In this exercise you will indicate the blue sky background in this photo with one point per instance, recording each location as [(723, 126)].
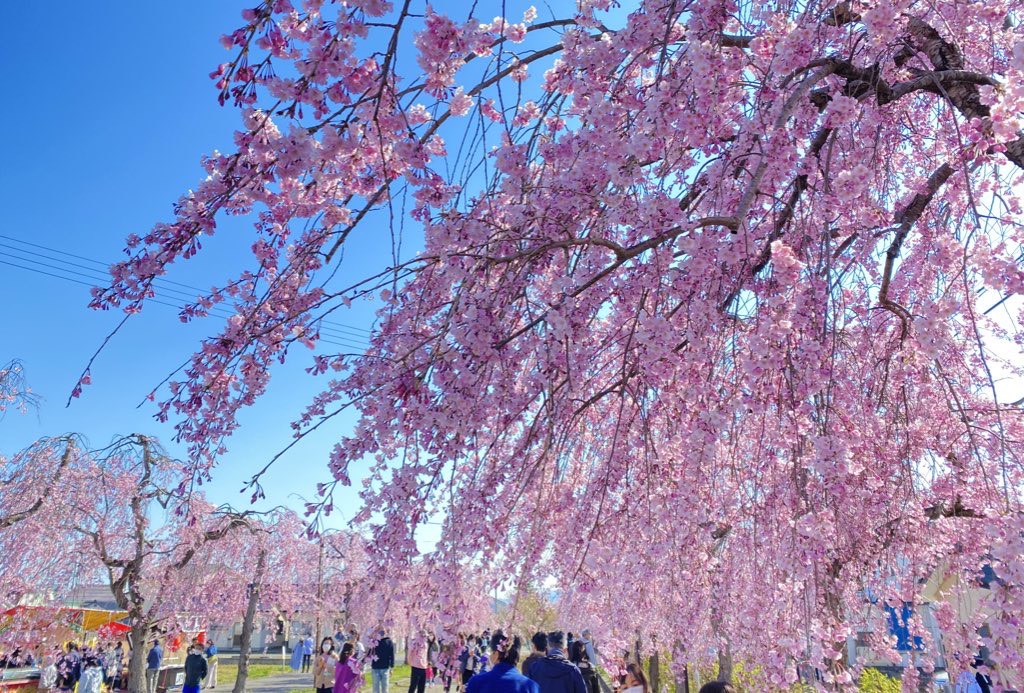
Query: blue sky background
[(109, 110)]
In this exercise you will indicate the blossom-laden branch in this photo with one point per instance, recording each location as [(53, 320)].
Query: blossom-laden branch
[(699, 267)]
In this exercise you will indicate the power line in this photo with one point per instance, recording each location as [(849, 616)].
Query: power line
[(354, 329), (99, 277), (34, 266)]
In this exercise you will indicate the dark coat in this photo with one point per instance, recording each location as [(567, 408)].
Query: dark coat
[(589, 676), (195, 669), (384, 654), (556, 674), (530, 659), (155, 657), (503, 678)]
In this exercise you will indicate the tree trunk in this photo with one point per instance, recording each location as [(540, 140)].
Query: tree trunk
[(655, 675), (137, 661), (682, 673), (725, 663), (245, 646)]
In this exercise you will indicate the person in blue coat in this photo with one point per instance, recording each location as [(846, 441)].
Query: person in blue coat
[(555, 673), (503, 677)]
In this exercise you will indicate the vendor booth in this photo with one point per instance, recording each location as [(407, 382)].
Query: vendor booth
[(41, 629)]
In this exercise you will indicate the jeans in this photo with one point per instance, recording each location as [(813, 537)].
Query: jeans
[(418, 681), (151, 675), (379, 678)]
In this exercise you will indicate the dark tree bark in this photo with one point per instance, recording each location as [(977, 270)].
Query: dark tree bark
[(245, 646)]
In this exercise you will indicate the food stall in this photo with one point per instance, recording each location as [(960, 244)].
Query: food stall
[(45, 628)]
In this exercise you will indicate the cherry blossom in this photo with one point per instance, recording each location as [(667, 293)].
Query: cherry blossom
[(699, 318)]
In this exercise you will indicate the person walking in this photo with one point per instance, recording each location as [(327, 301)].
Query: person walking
[(383, 662), (211, 664), (433, 650), (195, 669), (326, 664), (154, 658), (346, 674), (418, 663), (555, 673), (540, 649), (503, 677), (578, 656)]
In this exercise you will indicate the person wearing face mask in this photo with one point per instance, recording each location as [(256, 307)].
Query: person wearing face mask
[(326, 663), (195, 669)]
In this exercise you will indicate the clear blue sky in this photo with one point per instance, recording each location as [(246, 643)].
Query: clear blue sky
[(108, 111)]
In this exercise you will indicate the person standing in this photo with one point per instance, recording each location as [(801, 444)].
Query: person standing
[(307, 653), (195, 669), (467, 661), (346, 674), (211, 664), (555, 673), (69, 668), (578, 656), (92, 675), (418, 663), (326, 665), (358, 648), (115, 666), (154, 658), (588, 643), (383, 662), (540, 649), (503, 677), (48, 677)]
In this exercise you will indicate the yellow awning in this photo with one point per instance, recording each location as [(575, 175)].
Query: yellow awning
[(92, 619)]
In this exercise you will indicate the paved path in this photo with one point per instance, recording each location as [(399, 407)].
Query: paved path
[(280, 683), (285, 683)]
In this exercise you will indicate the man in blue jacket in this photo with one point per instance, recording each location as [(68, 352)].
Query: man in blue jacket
[(503, 677), (555, 673), (154, 659)]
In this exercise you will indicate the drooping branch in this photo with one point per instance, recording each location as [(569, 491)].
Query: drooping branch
[(906, 220)]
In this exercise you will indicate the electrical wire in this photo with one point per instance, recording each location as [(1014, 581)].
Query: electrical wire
[(61, 271), (353, 330)]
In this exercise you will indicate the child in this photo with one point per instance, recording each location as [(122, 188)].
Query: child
[(195, 669)]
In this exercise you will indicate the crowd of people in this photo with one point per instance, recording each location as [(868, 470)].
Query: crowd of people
[(487, 663), (81, 668), (103, 667)]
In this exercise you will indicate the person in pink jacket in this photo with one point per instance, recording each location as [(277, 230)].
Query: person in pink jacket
[(347, 678)]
